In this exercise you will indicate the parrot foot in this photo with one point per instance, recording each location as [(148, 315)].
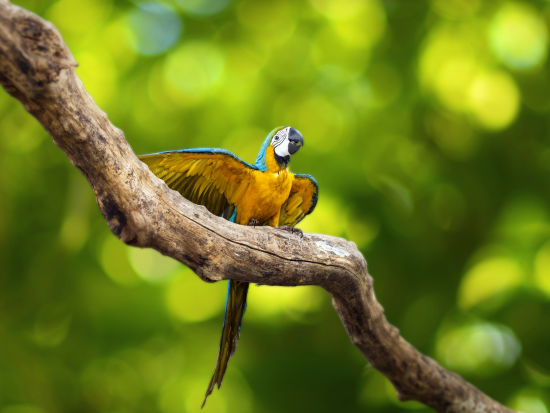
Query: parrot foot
[(253, 222), (292, 230)]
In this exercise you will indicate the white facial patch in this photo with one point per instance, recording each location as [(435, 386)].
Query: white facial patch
[(280, 142), (282, 149)]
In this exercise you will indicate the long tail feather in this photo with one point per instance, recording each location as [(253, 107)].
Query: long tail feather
[(234, 310)]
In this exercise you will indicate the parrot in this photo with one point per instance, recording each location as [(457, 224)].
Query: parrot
[(263, 193)]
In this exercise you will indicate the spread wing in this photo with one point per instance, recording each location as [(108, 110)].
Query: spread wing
[(301, 201), (215, 178)]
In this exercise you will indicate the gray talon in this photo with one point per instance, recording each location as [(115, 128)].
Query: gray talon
[(253, 222), (292, 230)]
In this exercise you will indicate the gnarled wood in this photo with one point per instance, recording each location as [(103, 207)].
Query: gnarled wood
[(37, 68)]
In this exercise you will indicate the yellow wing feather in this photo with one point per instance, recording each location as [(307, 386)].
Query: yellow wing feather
[(301, 201), (217, 180)]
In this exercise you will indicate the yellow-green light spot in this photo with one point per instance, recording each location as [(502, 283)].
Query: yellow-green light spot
[(374, 391), (364, 28), (151, 265), (518, 36), (74, 230), (122, 52), (158, 96), (338, 10), (114, 261), (193, 70), (77, 18), (542, 269), (270, 302), (528, 401), (98, 74), (451, 50), (494, 99), (487, 279), (192, 300), (478, 348), (454, 66), (25, 137), (453, 80), (328, 218)]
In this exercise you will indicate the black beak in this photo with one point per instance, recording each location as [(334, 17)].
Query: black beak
[(295, 141)]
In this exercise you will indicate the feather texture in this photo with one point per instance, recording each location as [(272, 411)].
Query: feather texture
[(301, 200), (214, 178), (234, 311)]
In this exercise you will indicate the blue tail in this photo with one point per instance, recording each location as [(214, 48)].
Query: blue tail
[(234, 311)]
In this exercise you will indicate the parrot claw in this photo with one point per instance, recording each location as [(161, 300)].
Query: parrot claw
[(253, 222), (292, 230)]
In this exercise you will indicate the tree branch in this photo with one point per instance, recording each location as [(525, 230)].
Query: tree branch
[(37, 68)]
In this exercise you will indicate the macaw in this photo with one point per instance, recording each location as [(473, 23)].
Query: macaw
[(265, 193)]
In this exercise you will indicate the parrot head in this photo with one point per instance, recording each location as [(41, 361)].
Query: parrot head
[(286, 141)]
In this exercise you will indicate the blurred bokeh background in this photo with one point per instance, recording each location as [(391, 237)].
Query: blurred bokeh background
[(426, 126)]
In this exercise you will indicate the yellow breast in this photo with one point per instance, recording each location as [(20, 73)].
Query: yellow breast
[(264, 198)]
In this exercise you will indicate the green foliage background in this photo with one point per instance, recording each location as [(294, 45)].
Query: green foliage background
[(426, 126)]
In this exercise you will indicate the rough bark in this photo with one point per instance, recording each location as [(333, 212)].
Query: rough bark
[(37, 68)]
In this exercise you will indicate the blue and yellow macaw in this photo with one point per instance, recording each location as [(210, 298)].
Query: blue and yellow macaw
[(265, 193)]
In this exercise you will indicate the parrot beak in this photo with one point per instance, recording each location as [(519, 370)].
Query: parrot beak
[(295, 141)]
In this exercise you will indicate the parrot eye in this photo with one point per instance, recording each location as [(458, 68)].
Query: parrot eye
[(276, 138)]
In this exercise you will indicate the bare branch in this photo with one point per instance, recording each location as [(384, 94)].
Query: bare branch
[(37, 68)]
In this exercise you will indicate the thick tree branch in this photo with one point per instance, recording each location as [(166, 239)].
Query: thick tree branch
[(37, 68)]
